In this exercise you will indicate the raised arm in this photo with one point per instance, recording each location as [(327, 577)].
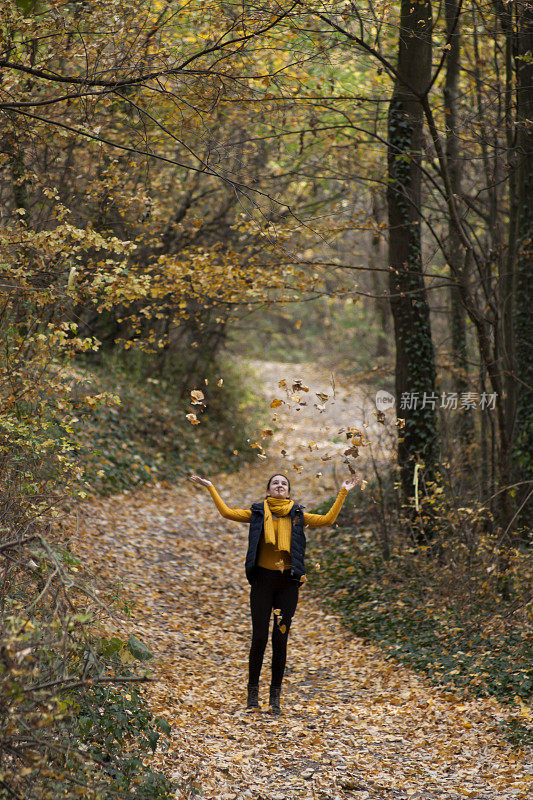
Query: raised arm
[(235, 514), (321, 520)]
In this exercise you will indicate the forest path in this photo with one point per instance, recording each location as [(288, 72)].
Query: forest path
[(355, 725)]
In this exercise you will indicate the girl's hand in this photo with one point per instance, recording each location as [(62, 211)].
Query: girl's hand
[(350, 483), (200, 481)]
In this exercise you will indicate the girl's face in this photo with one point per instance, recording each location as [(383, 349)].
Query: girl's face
[(278, 487)]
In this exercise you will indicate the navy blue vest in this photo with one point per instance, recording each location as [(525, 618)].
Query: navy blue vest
[(297, 541)]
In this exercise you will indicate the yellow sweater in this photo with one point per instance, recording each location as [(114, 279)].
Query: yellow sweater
[(269, 556)]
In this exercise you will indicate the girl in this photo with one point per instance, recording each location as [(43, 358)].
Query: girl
[(275, 568)]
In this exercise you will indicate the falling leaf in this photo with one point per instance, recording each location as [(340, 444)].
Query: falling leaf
[(267, 432), (282, 384), (220, 381), (355, 434), (193, 419), (299, 386), (277, 612), (197, 397), (326, 457), (322, 396), (276, 403), (298, 324), (283, 628)]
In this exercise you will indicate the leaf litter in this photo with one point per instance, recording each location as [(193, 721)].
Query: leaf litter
[(354, 724)]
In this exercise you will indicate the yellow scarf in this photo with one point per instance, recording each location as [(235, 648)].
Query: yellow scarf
[(280, 507)]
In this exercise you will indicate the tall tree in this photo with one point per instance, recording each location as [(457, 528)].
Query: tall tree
[(415, 360), (376, 257), (454, 245), (524, 255)]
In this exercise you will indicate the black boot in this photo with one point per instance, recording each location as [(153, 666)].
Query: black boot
[(275, 694), (253, 697)]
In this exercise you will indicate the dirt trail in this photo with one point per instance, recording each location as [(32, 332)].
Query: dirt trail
[(354, 724)]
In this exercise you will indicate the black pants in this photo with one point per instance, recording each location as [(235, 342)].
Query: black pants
[(271, 590)]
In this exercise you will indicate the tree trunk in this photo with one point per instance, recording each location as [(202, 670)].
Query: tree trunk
[(415, 361), (376, 261), (523, 439), (455, 250)]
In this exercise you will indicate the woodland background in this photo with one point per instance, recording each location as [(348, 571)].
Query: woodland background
[(189, 186)]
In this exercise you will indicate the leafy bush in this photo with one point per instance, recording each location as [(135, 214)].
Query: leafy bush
[(116, 731), (59, 692), (144, 435), (73, 720)]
